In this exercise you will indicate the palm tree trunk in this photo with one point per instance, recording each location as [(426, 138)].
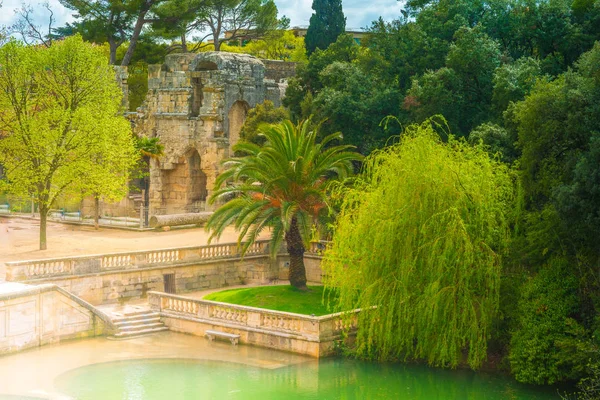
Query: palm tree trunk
[(295, 247)]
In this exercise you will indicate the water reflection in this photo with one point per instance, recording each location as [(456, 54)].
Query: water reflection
[(327, 379)]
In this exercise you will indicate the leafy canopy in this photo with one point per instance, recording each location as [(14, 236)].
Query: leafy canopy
[(326, 24), (285, 179), (61, 126), (420, 237)]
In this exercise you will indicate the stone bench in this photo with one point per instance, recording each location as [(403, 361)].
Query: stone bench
[(233, 338)]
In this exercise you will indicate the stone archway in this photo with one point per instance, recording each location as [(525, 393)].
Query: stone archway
[(236, 117)]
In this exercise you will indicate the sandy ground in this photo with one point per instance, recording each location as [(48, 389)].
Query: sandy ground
[(33, 372), (19, 239)]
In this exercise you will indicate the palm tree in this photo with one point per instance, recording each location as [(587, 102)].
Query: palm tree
[(149, 148), (281, 186)]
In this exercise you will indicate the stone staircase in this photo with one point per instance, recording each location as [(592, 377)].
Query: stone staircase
[(137, 323)]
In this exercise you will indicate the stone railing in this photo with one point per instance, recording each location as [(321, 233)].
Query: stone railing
[(317, 248), (81, 265), (306, 327)]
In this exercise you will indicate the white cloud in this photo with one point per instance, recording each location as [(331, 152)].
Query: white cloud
[(62, 15)]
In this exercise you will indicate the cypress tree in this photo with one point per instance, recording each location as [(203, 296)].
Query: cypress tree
[(326, 24)]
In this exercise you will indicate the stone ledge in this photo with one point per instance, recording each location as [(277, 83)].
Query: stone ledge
[(216, 322), (190, 263)]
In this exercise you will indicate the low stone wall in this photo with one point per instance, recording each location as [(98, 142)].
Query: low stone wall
[(37, 315), (120, 277), (303, 334), (279, 70), (312, 264)]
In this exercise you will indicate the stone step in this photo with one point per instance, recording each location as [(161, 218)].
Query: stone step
[(144, 315), (136, 321), (137, 328), (127, 335), (138, 312)]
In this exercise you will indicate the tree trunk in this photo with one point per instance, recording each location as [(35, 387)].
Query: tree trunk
[(217, 43), (96, 212), (184, 48), (137, 29), (295, 247), (113, 46), (43, 220)]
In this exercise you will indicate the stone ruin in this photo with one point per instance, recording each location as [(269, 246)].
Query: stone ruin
[(196, 105)]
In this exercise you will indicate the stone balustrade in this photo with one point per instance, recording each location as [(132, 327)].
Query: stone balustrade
[(121, 277), (80, 265), (299, 333), (59, 267)]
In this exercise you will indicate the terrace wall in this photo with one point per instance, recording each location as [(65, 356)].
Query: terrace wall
[(38, 315), (120, 277), (303, 334)]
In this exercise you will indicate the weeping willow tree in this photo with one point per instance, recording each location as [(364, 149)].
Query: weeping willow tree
[(419, 237)]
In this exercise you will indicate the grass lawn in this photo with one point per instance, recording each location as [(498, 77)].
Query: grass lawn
[(280, 298)]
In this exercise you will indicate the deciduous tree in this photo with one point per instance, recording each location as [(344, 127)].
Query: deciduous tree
[(417, 247), (60, 114), (239, 18)]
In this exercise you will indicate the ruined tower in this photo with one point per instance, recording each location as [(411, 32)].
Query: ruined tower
[(196, 105)]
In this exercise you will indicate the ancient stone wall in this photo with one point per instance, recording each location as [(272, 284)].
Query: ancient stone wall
[(122, 75), (279, 70), (196, 105)]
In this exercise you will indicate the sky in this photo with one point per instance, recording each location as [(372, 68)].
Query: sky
[(359, 13)]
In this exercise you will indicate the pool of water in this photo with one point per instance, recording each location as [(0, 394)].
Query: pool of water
[(175, 379)]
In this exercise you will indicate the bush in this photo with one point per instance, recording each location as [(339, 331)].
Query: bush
[(549, 345)]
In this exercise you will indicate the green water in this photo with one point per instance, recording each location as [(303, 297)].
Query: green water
[(328, 379)]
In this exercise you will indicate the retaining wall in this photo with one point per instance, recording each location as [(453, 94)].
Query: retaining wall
[(36, 315), (303, 334), (120, 277)]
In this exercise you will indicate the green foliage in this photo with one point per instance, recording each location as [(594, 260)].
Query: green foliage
[(512, 82), (399, 51), (436, 92), (555, 124), (346, 102), (326, 24), (308, 80), (335, 89), (496, 139), (241, 18), (547, 345), (578, 201), (462, 91), (61, 123), (281, 186), (264, 113), (420, 237), (278, 45), (280, 298), (137, 82), (343, 49)]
